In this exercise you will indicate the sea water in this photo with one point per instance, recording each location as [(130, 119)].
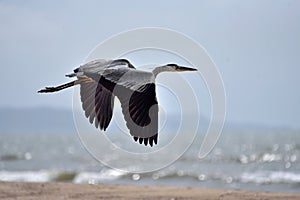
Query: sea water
[(252, 160)]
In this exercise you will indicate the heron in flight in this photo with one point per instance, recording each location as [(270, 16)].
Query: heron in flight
[(102, 80)]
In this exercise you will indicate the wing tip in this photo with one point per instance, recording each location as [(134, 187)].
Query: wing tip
[(151, 140)]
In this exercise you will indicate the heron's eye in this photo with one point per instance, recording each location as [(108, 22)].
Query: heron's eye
[(173, 66)]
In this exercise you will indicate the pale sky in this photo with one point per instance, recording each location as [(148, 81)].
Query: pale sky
[(255, 44)]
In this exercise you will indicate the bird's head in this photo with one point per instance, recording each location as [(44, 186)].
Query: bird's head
[(177, 68), (172, 68)]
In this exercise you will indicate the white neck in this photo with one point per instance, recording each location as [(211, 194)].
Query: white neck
[(160, 69)]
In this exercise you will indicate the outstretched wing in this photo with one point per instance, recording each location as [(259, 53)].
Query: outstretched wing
[(97, 103), (97, 100), (135, 90), (140, 110)]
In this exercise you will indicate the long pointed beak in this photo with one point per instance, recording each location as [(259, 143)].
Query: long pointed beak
[(182, 69)]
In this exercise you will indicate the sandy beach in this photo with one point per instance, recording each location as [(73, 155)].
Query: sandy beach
[(39, 191)]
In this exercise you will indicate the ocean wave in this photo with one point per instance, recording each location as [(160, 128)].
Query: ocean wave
[(98, 177), (111, 175), (267, 157), (26, 176), (37, 176), (62, 176), (269, 177)]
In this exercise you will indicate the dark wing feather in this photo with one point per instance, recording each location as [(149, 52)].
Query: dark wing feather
[(135, 90), (98, 103), (140, 110)]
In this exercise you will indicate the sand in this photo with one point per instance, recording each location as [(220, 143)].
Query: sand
[(40, 191)]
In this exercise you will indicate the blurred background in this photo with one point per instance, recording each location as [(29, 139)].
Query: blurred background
[(255, 45)]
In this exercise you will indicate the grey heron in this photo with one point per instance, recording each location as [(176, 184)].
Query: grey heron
[(102, 80)]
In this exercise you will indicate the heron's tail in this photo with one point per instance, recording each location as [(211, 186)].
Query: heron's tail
[(58, 88)]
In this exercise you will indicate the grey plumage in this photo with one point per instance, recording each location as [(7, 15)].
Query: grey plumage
[(102, 80)]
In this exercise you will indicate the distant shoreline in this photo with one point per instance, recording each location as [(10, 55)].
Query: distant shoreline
[(35, 191)]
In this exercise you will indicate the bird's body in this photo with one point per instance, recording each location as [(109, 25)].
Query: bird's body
[(102, 80)]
